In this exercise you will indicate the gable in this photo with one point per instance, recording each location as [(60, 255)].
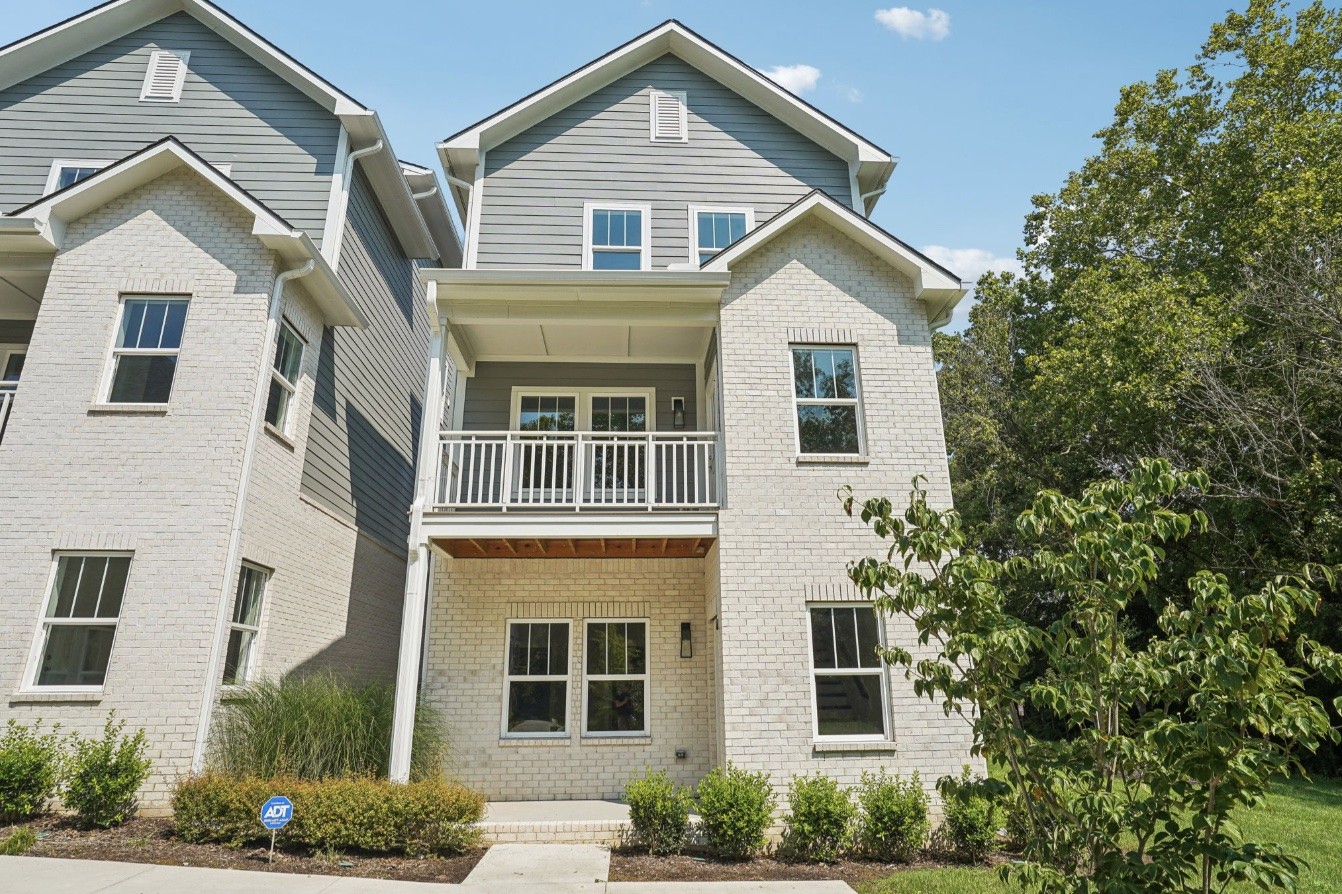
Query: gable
[(280, 144)]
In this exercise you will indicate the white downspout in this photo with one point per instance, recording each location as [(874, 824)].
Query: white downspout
[(417, 582), (337, 226), (214, 672)]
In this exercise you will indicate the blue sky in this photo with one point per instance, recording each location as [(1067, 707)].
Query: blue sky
[(986, 104)]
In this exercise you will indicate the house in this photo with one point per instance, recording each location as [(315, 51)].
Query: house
[(212, 336), (676, 334)]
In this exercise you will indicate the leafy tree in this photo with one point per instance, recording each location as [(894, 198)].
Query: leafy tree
[(1160, 741), (1182, 298)]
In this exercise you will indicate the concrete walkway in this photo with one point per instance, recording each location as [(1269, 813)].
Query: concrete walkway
[(47, 875)]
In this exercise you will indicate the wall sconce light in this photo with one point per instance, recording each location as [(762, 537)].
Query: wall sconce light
[(686, 644), (678, 412)]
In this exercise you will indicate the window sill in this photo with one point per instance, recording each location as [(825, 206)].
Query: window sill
[(533, 741), (828, 746), (280, 436), (56, 698), (103, 409), (644, 739), (852, 459)]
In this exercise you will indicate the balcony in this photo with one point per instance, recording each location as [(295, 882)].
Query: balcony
[(525, 494), (578, 471)]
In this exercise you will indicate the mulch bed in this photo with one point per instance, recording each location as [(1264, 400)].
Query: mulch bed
[(150, 840), (638, 866)]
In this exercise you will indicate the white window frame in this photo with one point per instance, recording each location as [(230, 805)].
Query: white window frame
[(185, 57), (286, 420), (684, 100), (59, 165), (582, 402), (7, 351), (644, 251), (696, 210), (645, 677), (798, 402), (566, 678), (114, 352), (254, 645), (881, 671), (39, 644)]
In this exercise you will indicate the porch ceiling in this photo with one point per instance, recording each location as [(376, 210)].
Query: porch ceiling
[(560, 341), (23, 280), (575, 547)]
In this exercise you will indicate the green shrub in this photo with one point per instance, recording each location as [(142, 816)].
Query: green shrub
[(893, 825), (30, 770), (319, 726), (736, 808), (659, 811), (17, 842), (971, 816), (103, 775), (820, 821), (430, 816)]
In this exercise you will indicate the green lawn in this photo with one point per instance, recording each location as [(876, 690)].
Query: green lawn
[(1304, 817)]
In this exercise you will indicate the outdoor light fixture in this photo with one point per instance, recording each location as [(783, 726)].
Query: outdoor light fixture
[(686, 646), (678, 412)]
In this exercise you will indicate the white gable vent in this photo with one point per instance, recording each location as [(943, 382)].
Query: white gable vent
[(167, 72), (669, 120)]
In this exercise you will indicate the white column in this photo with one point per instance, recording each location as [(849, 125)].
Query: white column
[(420, 561)]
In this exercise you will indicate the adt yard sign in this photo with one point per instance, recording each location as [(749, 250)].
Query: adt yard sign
[(276, 813)]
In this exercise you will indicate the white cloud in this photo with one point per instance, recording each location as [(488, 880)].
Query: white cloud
[(797, 78), (914, 23), (969, 264), (852, 94)]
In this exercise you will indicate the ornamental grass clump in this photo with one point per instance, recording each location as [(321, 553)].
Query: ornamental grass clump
[(892, 825), (659, 811), (820, 819), (736, 808), (319, 726)]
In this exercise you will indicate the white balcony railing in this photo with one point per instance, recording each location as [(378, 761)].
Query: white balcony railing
[(577, 470), (7, 391)]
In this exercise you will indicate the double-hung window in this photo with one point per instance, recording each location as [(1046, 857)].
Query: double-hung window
[(536, 679), (284, 376), (712, 229), (617, 237), (825, 386), (80, 620), (245, 627), (615, 672), (144, 355), (848, 676)]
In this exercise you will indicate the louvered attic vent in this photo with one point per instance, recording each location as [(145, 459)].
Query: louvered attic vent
[(167, 73), (670, 123)]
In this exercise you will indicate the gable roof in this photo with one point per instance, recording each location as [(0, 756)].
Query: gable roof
[(933, 284), (460, 151), (47, 218), (32, 55)]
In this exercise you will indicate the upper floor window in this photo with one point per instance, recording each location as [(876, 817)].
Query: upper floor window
[(668, 116), (166, 74), (712, 229), (284, 376), (617, 237), (825, 389), (144, 355), (67, 172), (79, 623)]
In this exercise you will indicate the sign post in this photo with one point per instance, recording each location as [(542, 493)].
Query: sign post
[(275, 815)]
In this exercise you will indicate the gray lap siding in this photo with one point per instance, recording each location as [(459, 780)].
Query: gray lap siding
[(598, 150), (281, 145)]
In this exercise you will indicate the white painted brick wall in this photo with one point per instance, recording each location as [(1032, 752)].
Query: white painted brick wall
[(784, 539), (471, 603)]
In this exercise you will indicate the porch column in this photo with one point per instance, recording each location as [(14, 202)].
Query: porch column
[(420, 560)]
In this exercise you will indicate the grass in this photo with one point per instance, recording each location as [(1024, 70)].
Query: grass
[(316, 727), (1305, 817)]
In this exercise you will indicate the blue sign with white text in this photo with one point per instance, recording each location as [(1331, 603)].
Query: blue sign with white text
[(276, 813)]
